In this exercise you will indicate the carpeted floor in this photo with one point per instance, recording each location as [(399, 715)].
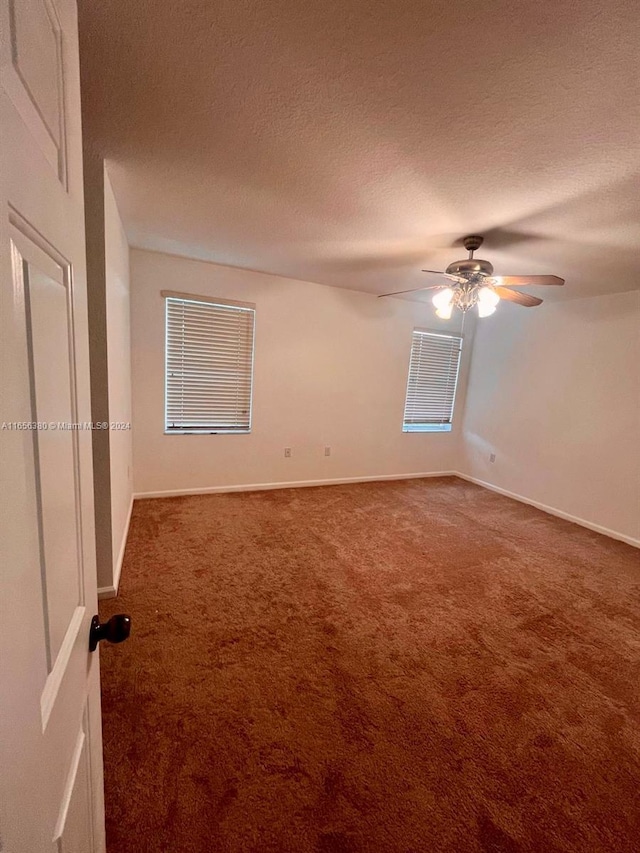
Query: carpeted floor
[(403, 667)]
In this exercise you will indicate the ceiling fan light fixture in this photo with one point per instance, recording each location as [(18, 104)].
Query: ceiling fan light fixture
[(475, 285)]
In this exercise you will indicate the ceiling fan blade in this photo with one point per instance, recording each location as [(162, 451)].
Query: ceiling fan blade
[(413, 290), (519, 298), (429, 286), (524, 280), (444, 275)]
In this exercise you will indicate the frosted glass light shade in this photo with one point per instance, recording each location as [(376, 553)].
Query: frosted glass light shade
[(445, 311), (487, 301), (485, 310), (488, 295), (442, 298)]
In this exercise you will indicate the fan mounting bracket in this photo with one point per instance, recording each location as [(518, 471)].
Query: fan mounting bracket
[(472, 242)]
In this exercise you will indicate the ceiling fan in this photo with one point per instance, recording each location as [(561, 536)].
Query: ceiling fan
[(475, 284)]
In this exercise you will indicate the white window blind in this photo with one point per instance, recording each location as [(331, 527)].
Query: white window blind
[(433, 376), (209, 366)]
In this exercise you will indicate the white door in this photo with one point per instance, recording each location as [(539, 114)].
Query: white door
[(51, 796)]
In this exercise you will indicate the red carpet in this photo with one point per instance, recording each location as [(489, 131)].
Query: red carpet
[(404, 667)]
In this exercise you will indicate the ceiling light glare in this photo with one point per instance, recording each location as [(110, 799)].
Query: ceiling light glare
[(485, 310), (445, 311), (442, 298), (487, 301)]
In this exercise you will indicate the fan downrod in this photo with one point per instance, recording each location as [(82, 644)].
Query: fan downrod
[(472, 243)]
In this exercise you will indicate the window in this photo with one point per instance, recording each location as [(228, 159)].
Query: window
[(209, 365), (431, 388)]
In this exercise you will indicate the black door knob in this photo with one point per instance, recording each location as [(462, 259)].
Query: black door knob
[(115, 630)]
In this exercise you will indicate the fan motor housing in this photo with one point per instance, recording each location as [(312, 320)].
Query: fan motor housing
[(470, 266)]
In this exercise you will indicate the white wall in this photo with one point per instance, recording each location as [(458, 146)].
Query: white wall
[(119, 373), (555, 394), (330, 369)]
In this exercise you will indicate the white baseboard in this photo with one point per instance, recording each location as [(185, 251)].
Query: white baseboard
[(598, 528), (257, 487), (295, 484), (106, 592), (112, 591)]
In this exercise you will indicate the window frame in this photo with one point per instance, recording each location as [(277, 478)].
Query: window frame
[(209, 300), (444, 427)]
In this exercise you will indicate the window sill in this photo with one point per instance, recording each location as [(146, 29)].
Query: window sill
[(427, 428), (207, 431)]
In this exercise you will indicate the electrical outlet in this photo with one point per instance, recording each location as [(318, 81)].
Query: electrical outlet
[(287, 452), (492, 458), (327, 451)]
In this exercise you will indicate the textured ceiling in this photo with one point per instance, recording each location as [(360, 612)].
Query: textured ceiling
[(350, 142)]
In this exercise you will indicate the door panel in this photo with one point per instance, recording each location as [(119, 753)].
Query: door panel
[(50, 354), (33, 73), (74, 824), (51, 797)]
